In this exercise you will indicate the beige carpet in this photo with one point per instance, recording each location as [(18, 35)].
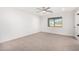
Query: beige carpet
[(41, 42)]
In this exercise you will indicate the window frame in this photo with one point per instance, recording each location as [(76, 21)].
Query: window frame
[(54, 18)]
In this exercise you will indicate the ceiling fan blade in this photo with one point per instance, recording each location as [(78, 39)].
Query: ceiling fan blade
[(47, 7), (50, 11)]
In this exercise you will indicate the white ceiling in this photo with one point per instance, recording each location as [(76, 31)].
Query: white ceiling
[(34, 10)]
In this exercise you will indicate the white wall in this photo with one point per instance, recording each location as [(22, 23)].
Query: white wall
[(16, 23), (68, 24)]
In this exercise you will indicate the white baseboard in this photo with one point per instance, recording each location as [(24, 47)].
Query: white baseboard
[(61, 34)]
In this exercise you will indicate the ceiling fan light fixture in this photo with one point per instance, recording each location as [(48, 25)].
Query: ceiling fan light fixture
[(44, 11)]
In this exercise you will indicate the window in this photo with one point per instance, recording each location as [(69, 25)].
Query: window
[(55, 22)]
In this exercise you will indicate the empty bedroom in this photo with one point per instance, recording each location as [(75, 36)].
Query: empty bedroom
[(39, 29)]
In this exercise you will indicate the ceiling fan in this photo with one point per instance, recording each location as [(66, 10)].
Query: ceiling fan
[(45, 10)]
